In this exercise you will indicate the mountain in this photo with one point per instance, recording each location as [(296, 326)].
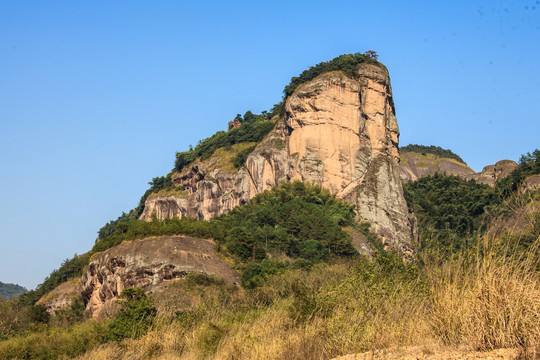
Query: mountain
[(417, 161), (251, 247), (338, 130), (8, 291)]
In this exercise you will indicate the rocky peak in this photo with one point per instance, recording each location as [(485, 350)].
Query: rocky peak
[(339, 132), (492, 173)]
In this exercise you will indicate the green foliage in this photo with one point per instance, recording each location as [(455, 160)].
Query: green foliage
[(296, 219), (138, 229), (254, 128), (529, 164), (135, 316), (449, 209), (202, 279), (256, 273), (39, 314), (8, 291), (70, 315), (435, 150), (346, 63), (52, 343), (242, 156)]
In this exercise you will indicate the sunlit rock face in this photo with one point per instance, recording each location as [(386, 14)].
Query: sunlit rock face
[(338, 132), (492, 173), (148, 264)]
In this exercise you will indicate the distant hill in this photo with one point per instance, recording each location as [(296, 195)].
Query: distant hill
[(435, 150), (8, 291), (417, 161)]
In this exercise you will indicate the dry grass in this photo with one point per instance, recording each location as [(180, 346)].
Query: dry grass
[(490, 302), (483, 301)]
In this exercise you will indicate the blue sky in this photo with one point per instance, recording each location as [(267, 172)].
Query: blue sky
[(97, 96)]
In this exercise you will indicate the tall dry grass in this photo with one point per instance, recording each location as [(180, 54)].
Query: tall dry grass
[(486, 300), (489, 301)]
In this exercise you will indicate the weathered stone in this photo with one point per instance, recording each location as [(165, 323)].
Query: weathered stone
[(414, 165), (493, 173), (148, 263), (61, 296), (235, 124), (338, 132)]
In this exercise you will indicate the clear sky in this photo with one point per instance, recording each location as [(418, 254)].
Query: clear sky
[(97, 96)]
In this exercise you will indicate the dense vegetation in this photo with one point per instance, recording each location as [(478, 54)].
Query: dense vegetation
[(295, 220), (529, 164), (435, 150), (8, 291), (449, 209), (346, 63), (136, 314), (452, 212), (254, 128)]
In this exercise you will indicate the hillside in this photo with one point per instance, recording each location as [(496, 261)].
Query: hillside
[(290, 236), (417, 161), (8, 291)]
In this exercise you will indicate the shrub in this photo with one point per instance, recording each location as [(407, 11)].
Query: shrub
[(135, 317), (346, 63)]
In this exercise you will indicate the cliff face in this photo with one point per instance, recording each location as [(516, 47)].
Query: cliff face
[(338, 132)]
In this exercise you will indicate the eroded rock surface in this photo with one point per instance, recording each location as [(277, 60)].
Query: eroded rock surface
[(148, 263), (414, 165), (338, 132), (493, 173), (61, 296)]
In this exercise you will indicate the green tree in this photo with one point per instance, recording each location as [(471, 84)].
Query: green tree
[(135, 317)]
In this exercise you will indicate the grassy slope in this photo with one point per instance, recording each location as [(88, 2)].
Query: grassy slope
[(479, 300)]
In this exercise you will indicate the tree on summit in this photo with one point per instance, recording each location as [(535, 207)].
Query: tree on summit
[(372, 54)]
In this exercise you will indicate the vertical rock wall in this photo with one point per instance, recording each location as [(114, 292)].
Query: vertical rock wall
[(338, 132)]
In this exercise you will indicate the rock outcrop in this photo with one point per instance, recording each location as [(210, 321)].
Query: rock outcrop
[(415, 165), (61, 296), (148, 263), (338, 132), (493, 173)]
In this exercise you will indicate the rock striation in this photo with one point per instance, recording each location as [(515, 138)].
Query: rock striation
[(148, 263), (338, 132)]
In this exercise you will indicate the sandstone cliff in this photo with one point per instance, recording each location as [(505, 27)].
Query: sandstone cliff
[(338, 132), (148, 263)]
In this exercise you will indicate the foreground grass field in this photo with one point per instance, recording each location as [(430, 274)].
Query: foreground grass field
[(481, 300)]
